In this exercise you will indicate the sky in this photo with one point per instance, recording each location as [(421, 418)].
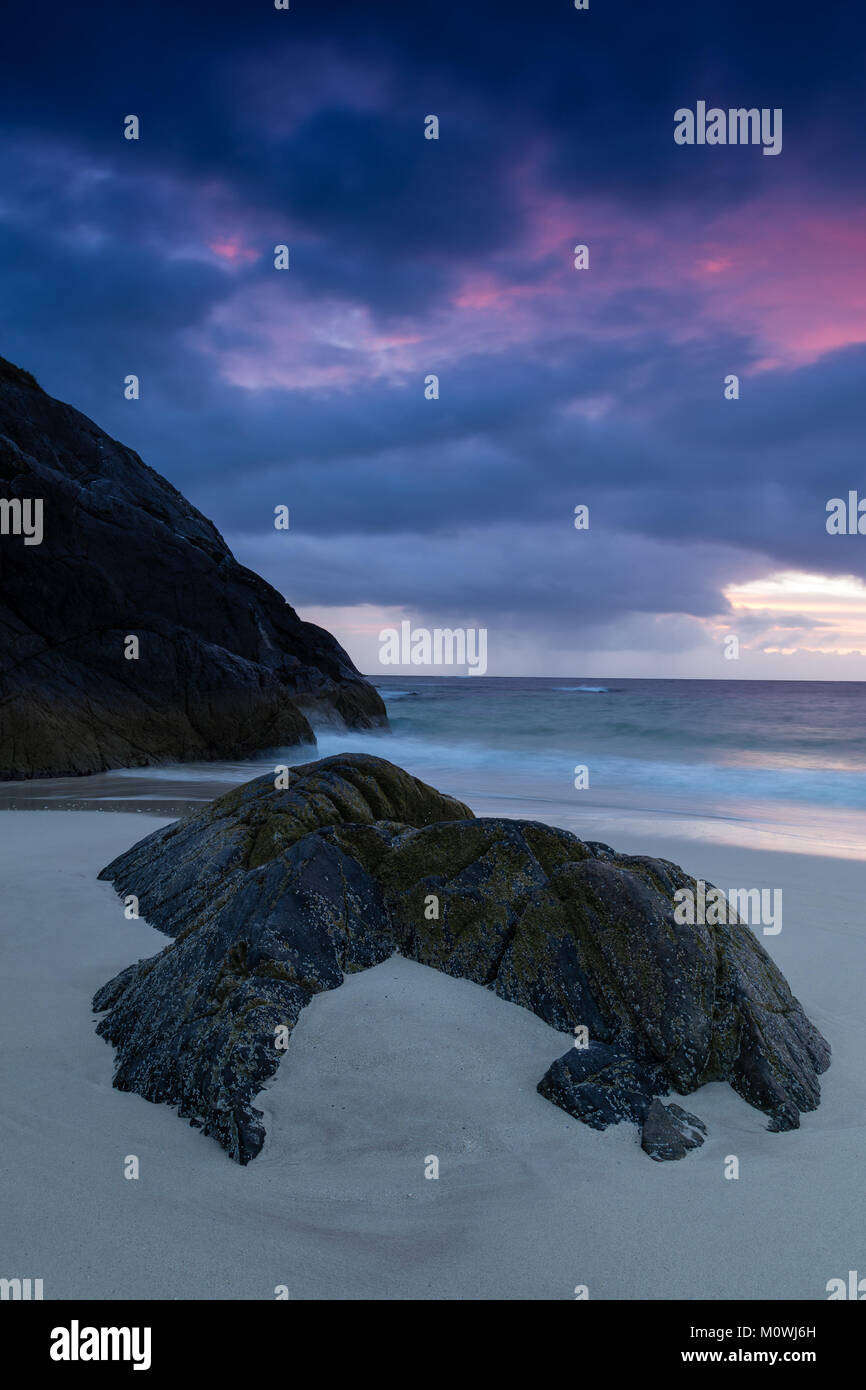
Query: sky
[(601, 387)]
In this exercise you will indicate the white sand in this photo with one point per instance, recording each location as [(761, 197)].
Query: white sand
[(399, 1063)]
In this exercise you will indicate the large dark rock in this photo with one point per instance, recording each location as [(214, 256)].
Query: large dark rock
[(273, 895), (225, 667)]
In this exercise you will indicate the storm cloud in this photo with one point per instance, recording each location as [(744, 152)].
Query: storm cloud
[(454, 257)]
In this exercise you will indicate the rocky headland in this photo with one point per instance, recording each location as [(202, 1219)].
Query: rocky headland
[(96, 548)]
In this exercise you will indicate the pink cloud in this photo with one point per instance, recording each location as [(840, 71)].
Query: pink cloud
[(777, 272), (788, 277), (230, 249), (793, 277)]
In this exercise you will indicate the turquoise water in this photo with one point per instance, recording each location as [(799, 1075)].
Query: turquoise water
[(776, 764), (768, 764)]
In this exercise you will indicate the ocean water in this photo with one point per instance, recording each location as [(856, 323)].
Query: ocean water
[(777, 765)]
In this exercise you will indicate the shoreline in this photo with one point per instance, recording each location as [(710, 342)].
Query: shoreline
[(809, 831)]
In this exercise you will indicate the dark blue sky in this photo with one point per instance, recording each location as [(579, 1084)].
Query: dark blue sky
[(455, 257)]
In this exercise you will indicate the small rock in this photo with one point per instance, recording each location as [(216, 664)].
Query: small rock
[(669, 1132)]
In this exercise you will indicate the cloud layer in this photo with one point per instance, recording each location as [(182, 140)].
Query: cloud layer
[(455, 257)]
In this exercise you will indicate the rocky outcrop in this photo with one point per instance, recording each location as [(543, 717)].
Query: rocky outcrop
[(224, 665), (272, 894)]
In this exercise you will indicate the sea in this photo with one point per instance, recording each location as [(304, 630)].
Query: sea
[(760, 764)]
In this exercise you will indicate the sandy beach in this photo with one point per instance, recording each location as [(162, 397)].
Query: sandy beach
[(399, 1063)]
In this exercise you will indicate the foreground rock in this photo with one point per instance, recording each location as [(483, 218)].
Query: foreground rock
[(274, 895), (669, 1132), (225, 666)]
